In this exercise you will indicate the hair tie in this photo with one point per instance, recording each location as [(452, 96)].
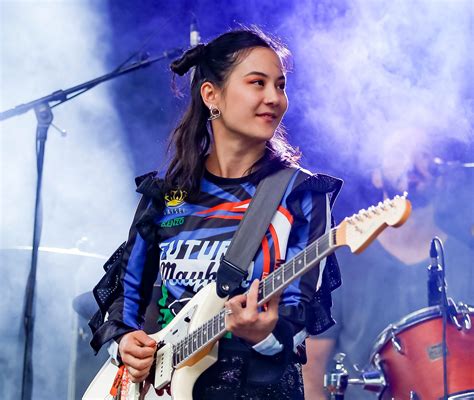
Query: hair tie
[(189, 59), (200, 52)]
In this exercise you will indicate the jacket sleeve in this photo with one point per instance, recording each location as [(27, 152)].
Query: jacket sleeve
[(301, 310), (126, 288)]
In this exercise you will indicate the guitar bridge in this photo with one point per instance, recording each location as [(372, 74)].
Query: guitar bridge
[(164, 366)]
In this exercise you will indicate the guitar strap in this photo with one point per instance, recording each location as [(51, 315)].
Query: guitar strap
[(235, 263)]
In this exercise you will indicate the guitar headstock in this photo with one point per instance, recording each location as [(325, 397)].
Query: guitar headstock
[(362, 228)]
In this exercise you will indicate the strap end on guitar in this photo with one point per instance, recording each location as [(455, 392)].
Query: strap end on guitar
[(229, 278)]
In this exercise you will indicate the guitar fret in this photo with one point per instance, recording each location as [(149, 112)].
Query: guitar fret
[(299, 263), (222, 321), (206, 332), (186, 347), (181, 351), (175, 355), (278, 278), (216, 325), (194, 345), (287, 272), (311, 254), (261, 291), (190, 345), (199, 336), (268, 286)]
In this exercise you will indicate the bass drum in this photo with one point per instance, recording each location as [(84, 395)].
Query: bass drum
[(410, 355)]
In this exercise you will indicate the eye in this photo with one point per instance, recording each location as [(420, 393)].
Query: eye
[(259, 82), (282, 86)]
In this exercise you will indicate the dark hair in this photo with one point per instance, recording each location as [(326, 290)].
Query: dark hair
[(191, 140)]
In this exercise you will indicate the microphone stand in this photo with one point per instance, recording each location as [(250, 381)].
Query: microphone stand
[(442, 299), (44, 116)]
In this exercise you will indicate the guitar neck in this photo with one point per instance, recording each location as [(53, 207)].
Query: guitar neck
[(213, 329), (297, 266)]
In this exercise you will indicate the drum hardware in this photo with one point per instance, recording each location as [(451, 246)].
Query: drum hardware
[(463, 396), (453, 312), (466, 318), (396, 342), (337, 381), (417, 373)]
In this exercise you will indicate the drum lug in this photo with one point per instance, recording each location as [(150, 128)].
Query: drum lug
[(414, 396), (466, 318), (396, 343)]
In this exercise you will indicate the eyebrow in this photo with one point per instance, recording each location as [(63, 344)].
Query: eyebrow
[(264, 75)]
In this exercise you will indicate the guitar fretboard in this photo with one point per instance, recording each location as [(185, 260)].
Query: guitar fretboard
[(214, 328)]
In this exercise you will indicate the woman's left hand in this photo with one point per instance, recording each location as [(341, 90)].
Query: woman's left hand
[(245, 320)]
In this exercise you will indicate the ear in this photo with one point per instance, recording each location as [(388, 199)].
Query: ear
[(210, 94), (377, 179)]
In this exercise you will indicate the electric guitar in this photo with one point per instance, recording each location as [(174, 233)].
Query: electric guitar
[(188, 345)]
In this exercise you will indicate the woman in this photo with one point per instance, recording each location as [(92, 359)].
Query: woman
[(228, 140)]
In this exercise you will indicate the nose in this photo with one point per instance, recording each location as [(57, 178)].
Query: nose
[(272, 96)]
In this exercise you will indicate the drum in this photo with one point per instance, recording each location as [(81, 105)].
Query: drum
[(410, 355)]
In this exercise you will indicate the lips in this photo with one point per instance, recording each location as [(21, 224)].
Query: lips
[(267, 116)]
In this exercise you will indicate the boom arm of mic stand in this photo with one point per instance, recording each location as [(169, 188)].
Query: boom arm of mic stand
[(61, 96)]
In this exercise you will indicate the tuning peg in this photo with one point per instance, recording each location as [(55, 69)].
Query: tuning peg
[(373, 210)]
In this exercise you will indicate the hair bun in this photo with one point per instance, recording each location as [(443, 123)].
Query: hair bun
[(189, 59)]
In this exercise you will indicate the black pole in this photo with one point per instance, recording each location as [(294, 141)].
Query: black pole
[(44, 117)]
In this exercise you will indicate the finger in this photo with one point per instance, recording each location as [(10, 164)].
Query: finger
[(273, 305), (143, 339), (137, 376), (137, 351), (238, 300), (252, 295), (136, 363)]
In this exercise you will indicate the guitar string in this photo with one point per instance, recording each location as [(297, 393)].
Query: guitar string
[(180, 346)]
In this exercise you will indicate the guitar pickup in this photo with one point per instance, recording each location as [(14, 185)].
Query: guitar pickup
[(164, 366)]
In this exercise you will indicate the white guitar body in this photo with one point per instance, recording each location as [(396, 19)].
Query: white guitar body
[(199, 309)]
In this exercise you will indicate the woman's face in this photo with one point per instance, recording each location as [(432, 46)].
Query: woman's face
[(253, 100)]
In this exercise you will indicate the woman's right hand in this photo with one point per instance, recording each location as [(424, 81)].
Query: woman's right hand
[(137, 351)]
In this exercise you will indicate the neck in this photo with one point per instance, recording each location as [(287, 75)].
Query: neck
[(233, 158), (410, 243)]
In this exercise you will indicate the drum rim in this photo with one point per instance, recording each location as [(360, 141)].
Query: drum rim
[(405, 322)]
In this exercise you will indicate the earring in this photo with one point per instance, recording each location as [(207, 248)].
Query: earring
[(214, 113)]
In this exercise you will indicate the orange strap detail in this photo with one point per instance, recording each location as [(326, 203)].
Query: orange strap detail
[(117, 382)]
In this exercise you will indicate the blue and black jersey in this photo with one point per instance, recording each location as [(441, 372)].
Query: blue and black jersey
[(177, 243)]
